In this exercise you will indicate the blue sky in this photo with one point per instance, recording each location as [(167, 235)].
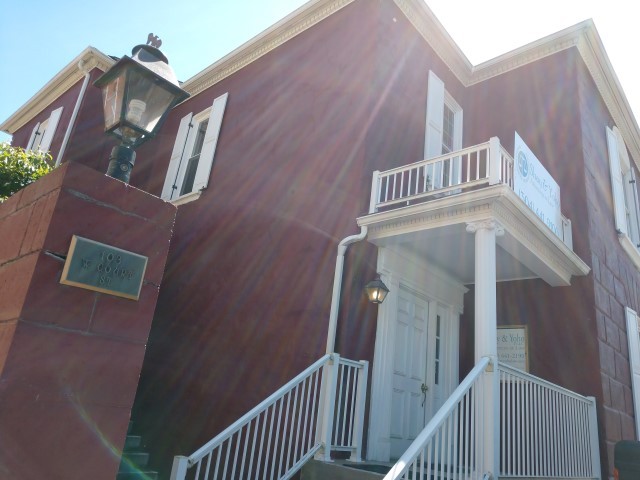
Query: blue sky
[(43, 36)]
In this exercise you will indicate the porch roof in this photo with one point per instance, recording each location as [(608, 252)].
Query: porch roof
[(436, 230)]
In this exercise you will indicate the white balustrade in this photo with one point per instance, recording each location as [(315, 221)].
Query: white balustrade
[(545, 430), (453, 173), (274, 439)]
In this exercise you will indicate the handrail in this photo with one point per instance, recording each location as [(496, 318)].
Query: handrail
[(545, 430), (455, 447), (275, 438)]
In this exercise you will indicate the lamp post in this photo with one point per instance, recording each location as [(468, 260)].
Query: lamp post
[(137, 94)]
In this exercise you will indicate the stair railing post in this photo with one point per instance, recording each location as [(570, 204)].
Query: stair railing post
[(179, 468), (358, 421), (375, 192), (495, 161), (327, 407), (593, 439)]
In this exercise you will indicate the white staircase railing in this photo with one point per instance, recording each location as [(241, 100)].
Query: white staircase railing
[(545, 430), (277, 437), (449, 446)]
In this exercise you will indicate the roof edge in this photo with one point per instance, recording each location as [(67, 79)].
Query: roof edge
[(87, 60), (279, 33)]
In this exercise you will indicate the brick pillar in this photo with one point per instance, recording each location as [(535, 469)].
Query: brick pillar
[(70, 358)]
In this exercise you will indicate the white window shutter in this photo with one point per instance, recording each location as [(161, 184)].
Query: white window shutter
[(32, 138), (52, 124), (617, 188), (210, 141), (435, 119), (634, 207), (633, 335), (170, 189)]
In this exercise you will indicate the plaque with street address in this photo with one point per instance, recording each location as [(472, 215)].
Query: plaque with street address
[(513, 346), (103, 268)]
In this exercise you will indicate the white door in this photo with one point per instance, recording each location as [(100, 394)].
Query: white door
[(410, 392)]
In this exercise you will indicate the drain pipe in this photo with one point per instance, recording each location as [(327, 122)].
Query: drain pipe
[(337, 285), (82, 66)]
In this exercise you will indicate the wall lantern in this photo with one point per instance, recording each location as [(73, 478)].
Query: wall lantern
[(137, 95), (376, 290)]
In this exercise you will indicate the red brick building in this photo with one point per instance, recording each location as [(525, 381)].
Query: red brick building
[(272, 161)]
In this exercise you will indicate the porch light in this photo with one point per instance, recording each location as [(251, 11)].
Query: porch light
[(137, 95), (376, 290)]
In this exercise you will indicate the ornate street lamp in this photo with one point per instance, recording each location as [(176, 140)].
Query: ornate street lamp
[(137, 94), (376, 290)]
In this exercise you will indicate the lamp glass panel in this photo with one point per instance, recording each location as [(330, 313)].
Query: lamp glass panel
[(147, 102), (112, 94)]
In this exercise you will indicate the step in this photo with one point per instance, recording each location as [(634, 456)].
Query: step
[(134, 461), (315, 470), (132, 442), (137, 475)]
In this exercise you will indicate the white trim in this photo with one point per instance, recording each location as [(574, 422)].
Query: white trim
[(633, 336), (624, 192), (187, 197)]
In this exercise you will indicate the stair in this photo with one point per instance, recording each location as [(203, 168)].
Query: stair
[(315, 470), (134, 461)]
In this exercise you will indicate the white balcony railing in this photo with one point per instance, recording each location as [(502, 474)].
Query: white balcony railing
[(453, 173)]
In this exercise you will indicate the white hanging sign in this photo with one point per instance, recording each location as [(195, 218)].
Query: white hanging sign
[(536, 187), (513, 343)]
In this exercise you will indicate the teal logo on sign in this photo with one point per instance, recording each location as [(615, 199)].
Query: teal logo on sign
[(523, 166)]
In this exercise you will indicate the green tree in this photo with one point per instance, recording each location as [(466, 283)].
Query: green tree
[(18, 168)]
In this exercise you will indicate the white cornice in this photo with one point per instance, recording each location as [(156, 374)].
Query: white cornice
[(89, 59), (297, 22), (584, 36), (559, 263), (435, 34)]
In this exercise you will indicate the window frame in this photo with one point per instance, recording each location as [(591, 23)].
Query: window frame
[(43, 132), (437, 99), (633, 337), (183, 152), (624, 191)]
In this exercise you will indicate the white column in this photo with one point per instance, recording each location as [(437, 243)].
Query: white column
[(485, 339)]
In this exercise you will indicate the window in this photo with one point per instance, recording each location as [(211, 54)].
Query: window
[(625, 195), (633, 335), (193, 153), (443, 132), (42, 133)]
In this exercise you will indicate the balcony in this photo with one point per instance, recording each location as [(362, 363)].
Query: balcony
[(425, 207)]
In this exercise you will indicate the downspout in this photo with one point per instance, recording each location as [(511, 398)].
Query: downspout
[(337, 285), (82, 66)]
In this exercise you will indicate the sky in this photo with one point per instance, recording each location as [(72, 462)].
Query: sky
[(40, 37)]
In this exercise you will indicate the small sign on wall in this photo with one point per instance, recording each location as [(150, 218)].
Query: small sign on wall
[(103, 268), (513, 346)]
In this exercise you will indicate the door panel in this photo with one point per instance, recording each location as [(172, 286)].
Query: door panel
[(409, 372)]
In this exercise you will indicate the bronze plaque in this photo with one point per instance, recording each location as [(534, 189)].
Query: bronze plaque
[(103, 268)]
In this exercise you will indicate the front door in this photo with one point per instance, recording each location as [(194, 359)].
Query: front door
[(411, 388)]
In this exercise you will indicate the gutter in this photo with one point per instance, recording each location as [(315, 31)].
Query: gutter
[(337, 285), (83, 67)]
